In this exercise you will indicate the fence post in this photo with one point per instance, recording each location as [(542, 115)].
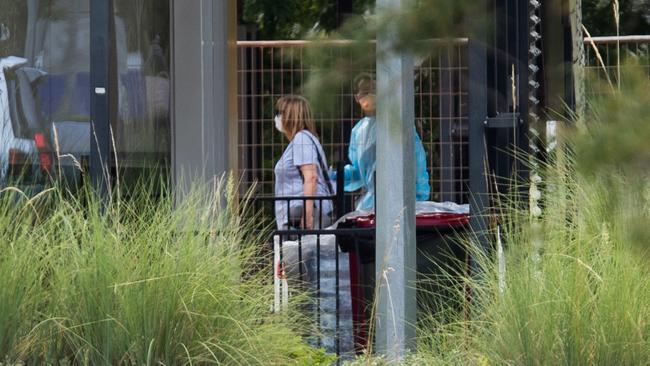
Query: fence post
[(478, 113), (395, 208), (447, 114)]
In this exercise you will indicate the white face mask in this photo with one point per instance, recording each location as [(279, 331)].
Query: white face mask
[(278, 123)]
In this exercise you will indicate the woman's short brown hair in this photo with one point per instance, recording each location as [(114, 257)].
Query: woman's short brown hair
[(296, 115)]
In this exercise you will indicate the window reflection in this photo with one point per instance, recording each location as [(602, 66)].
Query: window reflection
[(142, 131), (23, 129), (45, 89)]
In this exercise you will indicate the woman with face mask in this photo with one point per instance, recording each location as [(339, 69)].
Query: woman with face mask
[(301, 170)]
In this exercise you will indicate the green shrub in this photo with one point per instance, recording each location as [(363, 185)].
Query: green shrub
[(138, 282), (576, 289)]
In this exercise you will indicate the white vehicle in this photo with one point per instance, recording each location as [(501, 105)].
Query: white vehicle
[(20, 127)]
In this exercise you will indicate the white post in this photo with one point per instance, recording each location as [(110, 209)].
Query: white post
[(395, 232)]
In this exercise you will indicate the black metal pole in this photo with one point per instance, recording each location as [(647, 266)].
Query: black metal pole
[(569, 91), (447, 113), (340, 189), (102, 90), (478, 114), (523, 88)]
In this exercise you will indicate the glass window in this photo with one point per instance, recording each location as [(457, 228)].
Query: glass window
[(45, 89), (142, 131), (44, 84)]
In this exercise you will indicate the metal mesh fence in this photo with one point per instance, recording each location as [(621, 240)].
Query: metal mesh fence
[(270, 69), (602, 59)]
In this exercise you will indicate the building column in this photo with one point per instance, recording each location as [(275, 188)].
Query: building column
[(204, 90)]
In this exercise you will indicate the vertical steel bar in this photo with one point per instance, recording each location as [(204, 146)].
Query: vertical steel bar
[(338, 301), (395, 193), (431, 94), (522, 133), (478, 113), (288, 214), (318, 292), (103, 76), (300, 269), (340, 193), (446, 119), (461, 120), (356, 282), (260, 119), (271, 107), (282, 270)]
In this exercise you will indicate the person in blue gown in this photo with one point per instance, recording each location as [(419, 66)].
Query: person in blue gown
[(360, 173)]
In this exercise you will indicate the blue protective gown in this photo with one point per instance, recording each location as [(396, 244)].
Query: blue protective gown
[(360, 173)]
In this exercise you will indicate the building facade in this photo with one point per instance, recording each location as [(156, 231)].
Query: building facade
[(123, 87)]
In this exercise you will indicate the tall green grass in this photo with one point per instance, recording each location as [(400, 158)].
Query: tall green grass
[(138, 281), (577, 289), (576, 280), (582, 298)]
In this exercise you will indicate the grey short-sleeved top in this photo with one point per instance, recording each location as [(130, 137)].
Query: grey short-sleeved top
[(302, 150)]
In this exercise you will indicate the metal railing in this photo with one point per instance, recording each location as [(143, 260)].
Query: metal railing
[(602, 66), (332, 272), (309, 263)]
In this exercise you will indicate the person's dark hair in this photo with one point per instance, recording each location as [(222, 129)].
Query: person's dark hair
[(364, 84)]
